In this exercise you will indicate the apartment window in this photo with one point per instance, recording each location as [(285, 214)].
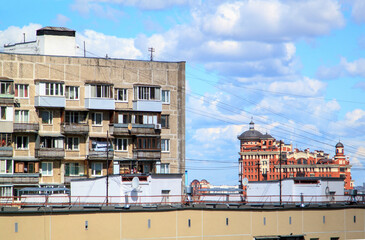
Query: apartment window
[(21, 116), (162, 167), (5, 140), (54, 89), (22, 142), (47, 117), (47, 168), (72, 143), (24, 167), (148, 143), (101, 91), (147, 93), (97, 119), (123, 118), (121, 94), (6, 192), (165, 121), (72, 169), (3, 112), (51, 142), (5, 87), (72, 92), (165, 145), (121, 144), (21, 91), (166, 96), (6, 166), (96, 169)]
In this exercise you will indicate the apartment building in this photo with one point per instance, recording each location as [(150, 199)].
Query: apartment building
[(66, 117), (260, 160)]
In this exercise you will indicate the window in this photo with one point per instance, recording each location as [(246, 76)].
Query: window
[(47, 168), (5, 140), (97, 119), (72, 92), (73, 169), (5, 87), (3, 112), (51, 142), (72, 143), (101, 91), (166, 96), (53, 89), (96, 169), (121, 144), (6, 166), (147, 93), (148, 143), (22, 142), (165, 145), (26, 167), (47, 117), (6, 192), (21, 116), (164, 168), (165, 121), (121, 94), (123, 118), (21, 91)]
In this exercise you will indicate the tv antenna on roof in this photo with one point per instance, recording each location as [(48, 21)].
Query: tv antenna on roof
[(152, 50)]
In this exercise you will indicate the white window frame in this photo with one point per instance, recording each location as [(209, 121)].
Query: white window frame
[(5, 87), (3, 110), (124, 95), (48, 172), (123, 141), (78, 166), (50, 117), (53, 89), (106, 91), (165, 96), (147, 93), (165, 145), (72, 146), (24, 143), (75, 90), (22, 114), (4, 165), (94, 119), (21, 88), (93, 169), (6, 191)]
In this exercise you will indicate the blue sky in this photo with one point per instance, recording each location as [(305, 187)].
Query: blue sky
[(296, 67)]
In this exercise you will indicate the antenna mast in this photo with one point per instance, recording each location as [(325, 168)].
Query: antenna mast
[(152, 50)]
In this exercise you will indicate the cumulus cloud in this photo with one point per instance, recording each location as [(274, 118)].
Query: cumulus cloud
[(358, 10), (61, 20), (14, 34), (344, 68), (86, 7)]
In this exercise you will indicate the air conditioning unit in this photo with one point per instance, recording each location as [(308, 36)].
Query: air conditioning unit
[(157, 126)]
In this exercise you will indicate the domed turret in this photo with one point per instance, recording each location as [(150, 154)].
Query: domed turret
[(339, 149), (251, 134)]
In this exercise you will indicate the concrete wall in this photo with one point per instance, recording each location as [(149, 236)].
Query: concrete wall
[(344, 223)]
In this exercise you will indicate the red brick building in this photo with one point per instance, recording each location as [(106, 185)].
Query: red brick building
[(260, 160)]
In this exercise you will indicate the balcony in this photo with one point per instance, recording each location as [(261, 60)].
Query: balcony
[(75, 128), (6, 151), (50, 101), (100, 155), (53, 153), (147, 154), (122, 129), (26, 127), (147, 105), (19, 178), (69, 178), (100, 103)]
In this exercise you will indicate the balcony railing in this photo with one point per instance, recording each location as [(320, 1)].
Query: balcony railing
[(50, 101), (100, 155), (147, 154), (75, 128), (26, 127), (134, 129), (50, 153), (69, 178), (6, 151), (17, 178)]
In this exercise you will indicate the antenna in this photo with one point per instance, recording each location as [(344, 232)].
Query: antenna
[(24, 36), (152, 50), (135, 183)]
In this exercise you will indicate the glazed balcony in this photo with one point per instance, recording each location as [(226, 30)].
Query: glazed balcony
[(100, 103), (19, 178), (122, 129), (147, 154), (147, 105), (26, 127), (75, 128), (6, 151), (50, 101), (50, 153)]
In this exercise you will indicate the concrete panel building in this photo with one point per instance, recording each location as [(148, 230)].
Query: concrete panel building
[(67, 117)]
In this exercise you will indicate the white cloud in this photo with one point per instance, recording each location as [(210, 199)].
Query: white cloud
[(344, 68), (86, 7), (358, 10), (14, 34), (61, 20)]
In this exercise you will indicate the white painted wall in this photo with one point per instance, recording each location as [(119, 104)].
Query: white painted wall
[(56, 45)]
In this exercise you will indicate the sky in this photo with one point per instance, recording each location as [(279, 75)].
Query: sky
[(296, 68)]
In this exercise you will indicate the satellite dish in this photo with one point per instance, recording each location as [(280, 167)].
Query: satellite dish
[(245, 182), (135, 183)]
